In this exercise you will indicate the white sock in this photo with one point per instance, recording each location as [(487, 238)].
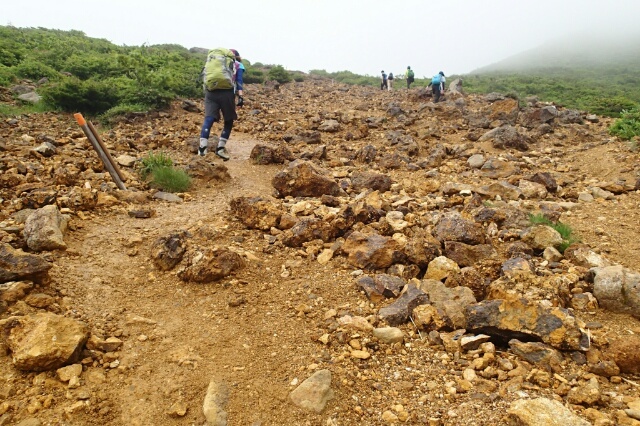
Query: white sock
[(222, 142), (204, 142)]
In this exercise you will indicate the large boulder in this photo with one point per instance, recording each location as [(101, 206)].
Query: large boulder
[(44, 341)]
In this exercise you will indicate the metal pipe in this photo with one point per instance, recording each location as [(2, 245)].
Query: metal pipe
[(96, 146)]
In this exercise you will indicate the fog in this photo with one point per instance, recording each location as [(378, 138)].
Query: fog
[(456, 36)]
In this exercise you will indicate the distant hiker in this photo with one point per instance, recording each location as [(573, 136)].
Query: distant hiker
[(383, 84), (410, 76), (390, 81), (239, 77), (219, 74), (437, 86)]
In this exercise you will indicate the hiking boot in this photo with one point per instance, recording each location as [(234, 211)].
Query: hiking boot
[(222, 153), (202, 151)]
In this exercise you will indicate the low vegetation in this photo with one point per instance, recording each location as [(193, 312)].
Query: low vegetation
[(627, 127), (565, 231), (159, 171), (76, 73)]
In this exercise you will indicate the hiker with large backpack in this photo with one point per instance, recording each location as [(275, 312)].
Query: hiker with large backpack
[(219, 75), (390, 81), (410, 77), (437, 86)]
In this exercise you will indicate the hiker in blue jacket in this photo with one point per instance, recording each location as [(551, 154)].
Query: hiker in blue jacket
[(383, 84), (437, 86)]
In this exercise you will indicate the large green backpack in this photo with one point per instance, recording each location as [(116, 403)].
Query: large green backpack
[(219, 69)]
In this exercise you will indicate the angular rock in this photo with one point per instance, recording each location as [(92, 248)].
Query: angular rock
[(167, 252), (399, 311), (507, 137), (18, 265), (451, 302), (210, 264), (540, 237), (215, 404), (501, 189), (546, 179), (471, 278), (527, 321), (582, 255), (625, 353), (468, 255), (256, 212), (263, 154), (13, 291), (44, 341), (371, 180), (534, 117), (167, 196), (532, 190), (453, 227), (44, 229), (389, 335), (538, 354), (441, 268), (587, 394), (69, 372), (422, 249), (617, 289), (505, 110), (303, 179), (541, 411), (314, 393), (200, 168), (370, 251), (381, 286), (308, 229)]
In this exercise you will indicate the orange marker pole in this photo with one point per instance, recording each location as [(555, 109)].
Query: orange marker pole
[(104, 149), (96, 146)]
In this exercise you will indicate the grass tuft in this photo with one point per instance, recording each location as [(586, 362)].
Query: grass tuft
[(565, 230), (170, 179)]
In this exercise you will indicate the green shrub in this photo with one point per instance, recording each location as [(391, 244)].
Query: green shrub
[(75, 95), (252, 75), (7, 76), (154, 161), (35, 70), (627, 126), (279, 74), (112, 114), (170, 179)]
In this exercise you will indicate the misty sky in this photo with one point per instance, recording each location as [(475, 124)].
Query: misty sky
[(455, 36)]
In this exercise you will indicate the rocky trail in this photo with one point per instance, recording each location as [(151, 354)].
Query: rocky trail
[(364, 258)]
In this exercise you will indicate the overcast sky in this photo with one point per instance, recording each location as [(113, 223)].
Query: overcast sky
[(363, 36)]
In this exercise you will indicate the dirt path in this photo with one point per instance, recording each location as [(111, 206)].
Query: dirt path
[(180, 336)]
